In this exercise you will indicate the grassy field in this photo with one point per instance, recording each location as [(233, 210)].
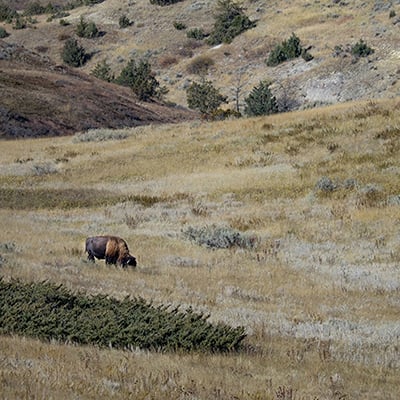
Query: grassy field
[(315, 280)]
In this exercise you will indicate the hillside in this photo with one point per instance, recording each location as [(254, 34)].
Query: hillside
[(40, 98), (327, 28), (69, 100), (286, 225)]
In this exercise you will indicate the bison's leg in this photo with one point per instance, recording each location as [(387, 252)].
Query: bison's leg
[(111, 260), (90, 256)]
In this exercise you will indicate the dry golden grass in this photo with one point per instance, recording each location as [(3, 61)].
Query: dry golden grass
[(318, 295)]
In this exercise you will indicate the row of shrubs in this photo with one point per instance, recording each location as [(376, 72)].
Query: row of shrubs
[(51, 312)]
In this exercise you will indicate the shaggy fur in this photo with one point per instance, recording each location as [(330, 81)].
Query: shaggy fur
[(111, 248)]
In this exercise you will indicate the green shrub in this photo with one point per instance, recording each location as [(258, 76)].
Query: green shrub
[(87, 29), (361, 49), (73, 54), (230, 21), (196, 33), (7, 14), (277, 56), (51, 312), (124, 22), (288, 50), (180, 26), (103, 71), (204, 97), (219, 237), (140, 78), (261, 101), (3, 33), (63, 22)]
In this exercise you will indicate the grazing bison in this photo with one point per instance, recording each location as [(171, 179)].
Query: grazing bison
[(111, 248)]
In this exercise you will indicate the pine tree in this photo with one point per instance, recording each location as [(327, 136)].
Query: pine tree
[(140, 78), (73, 54), (261, 101), (204, 97), (230, 21), (87, 29), (103, 71)]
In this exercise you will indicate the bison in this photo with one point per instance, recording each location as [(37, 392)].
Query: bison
[(111, 248)]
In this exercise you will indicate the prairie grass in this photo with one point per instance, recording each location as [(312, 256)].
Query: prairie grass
[(317, 294), (100, 135)]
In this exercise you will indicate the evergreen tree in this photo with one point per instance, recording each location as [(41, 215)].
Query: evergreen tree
[(288, 50), (3, 33), (204, 97), (140, 78), (103, 71), (361, 49), (86, 29), (73, 54), (230, 21), (261, 101)]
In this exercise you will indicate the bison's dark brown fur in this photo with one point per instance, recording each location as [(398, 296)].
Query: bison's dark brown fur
[(113, 249)]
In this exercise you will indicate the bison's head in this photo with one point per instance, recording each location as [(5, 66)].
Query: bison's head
[(129, 260)]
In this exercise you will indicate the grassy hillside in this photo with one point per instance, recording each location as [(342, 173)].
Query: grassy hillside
[(311, 199)]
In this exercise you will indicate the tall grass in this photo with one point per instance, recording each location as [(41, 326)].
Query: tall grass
[(317, 293)]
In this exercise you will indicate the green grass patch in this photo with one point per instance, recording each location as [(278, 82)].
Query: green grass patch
[(50, 312)]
